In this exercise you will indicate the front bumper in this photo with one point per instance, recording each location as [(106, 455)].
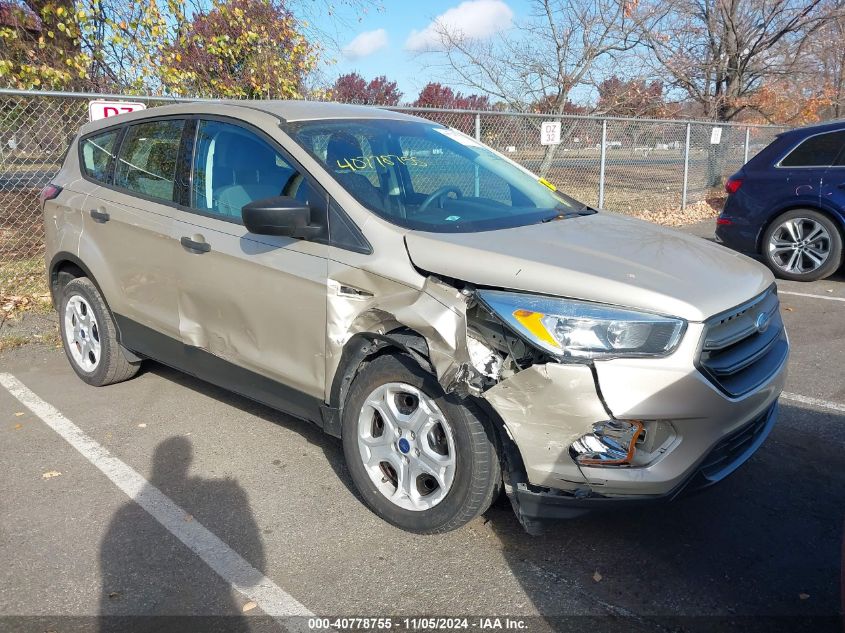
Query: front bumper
[(538, 504), (545, 408)]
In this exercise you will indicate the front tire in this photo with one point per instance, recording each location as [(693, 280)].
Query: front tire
[(803, 245), (422, 459), (89, 336)]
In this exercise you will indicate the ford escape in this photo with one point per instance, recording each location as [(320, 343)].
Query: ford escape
[(463, 326)]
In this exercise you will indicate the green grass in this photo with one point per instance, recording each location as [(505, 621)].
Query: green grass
[(23, 285)]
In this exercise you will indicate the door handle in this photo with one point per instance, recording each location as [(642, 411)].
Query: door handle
[(194, 246), (100, 216)]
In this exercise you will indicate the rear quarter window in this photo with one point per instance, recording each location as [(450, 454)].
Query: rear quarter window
[(820, 150), (96, 154)]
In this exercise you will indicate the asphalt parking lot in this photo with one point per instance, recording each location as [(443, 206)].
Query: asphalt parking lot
[(236, 494)]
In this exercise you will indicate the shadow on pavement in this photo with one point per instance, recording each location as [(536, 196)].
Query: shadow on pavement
[(761, 550), (311, 433), (138, 556)]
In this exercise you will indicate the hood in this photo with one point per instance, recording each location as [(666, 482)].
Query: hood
[(602, 257)]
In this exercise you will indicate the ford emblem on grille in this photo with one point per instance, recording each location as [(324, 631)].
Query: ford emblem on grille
[(762, 322)]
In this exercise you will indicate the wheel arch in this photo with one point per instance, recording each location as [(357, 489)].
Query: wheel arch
[(361, 349), (64, 262), (365, 347), (69, 263)]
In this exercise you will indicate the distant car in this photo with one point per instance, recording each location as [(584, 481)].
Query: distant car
[(787, 204)]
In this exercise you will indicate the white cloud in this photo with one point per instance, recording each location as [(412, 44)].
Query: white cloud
[(476, 19), (365, 44)]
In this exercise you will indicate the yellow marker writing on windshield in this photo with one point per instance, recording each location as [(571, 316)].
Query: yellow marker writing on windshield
[(546, 183)]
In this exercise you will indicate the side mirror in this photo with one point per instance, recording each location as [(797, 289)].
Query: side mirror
[(281, 215)]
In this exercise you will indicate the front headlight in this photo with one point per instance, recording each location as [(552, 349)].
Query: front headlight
[(578, 330)]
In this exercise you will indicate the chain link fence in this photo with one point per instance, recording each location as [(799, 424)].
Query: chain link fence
[(652, 168)]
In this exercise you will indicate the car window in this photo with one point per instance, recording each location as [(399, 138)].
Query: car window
[(821, 150), (97, 153), (233, 166), (441, 167), (148, 157), (422, 175)]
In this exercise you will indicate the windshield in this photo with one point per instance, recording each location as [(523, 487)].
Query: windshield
[(424, 176)]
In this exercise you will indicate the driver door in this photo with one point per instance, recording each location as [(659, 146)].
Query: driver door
[(257, 302)]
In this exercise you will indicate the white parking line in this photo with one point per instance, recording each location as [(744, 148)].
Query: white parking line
[(815, 402), (215, 553), (806, 294)]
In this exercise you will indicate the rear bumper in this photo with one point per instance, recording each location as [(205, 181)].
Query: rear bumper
[(534, 504)]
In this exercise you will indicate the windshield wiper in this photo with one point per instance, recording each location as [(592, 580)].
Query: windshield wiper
[(564, 215)]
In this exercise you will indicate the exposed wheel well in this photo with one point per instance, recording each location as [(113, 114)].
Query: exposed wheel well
[(837, 221), (364, 348)]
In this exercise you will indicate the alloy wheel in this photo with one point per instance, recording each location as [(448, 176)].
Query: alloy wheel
[(799, 246)]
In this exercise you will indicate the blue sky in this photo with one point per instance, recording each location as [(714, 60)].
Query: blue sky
[(384, 42)]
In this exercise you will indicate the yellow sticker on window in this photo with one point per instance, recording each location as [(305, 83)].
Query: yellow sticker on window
[(546, 183)]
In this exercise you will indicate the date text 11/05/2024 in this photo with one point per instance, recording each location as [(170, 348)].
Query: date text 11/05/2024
[(418, 623)]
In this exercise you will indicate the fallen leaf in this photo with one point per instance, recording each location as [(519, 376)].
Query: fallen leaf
[(19, 414), (803, 596), (790, 309), (249, 606), (50, 474), (142, 426), (597, 576), (188, 518), (18, 426)]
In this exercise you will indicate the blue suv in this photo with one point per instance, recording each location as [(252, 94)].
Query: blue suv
[(787, 204)]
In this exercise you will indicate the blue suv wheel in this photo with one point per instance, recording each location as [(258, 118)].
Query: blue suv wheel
[(802, 245)]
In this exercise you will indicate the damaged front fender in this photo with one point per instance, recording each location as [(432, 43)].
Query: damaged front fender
[(362, 303)]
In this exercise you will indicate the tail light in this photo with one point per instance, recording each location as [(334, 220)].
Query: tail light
[(733, 185), (49, 192)]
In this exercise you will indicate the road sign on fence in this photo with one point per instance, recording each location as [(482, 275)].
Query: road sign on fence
[(715, 136), (550, 133), (100, 109)]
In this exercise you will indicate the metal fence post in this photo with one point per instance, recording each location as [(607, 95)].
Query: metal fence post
[(477, 138), (747, 138), (686, 169), (602, 161)]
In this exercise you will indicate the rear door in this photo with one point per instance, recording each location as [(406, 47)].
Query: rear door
[(255, 301), (805, 168), (833, 179), (130, 219)]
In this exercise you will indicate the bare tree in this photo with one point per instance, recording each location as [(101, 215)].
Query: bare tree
[(826, 67), (542, 59), (719, 52)]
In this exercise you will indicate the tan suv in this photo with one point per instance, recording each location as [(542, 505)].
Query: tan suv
[(462, 325)]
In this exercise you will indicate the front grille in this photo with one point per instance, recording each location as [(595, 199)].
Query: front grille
[(737, 354), (731, 451)]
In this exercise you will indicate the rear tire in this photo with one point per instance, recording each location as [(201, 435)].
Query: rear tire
[(422, 459), (802, 245), (89, 336)]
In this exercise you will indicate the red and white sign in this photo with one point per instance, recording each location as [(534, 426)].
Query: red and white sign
[(103, 109)]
